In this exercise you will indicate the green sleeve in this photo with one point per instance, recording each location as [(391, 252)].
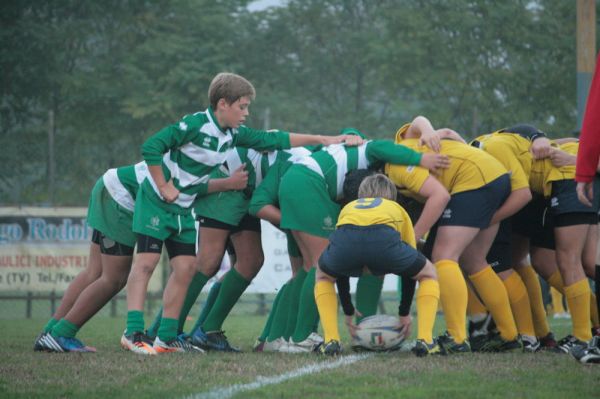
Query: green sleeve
[(171, 137), (261, 140), (267, 192), (389, 152)]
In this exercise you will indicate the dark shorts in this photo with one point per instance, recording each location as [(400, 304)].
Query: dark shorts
[(147, 244), (499, 255), (534, 222), (248, 223), (108, 246), (377, 247), (565, 207), (475, 208)]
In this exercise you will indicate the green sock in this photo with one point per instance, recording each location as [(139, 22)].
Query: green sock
[(295, 288), (307, 309), (210, 301), (280, 317), (368, 292), (232, 287), (269, 323), (135, 322), (196, 285), (168, 329), (49, 325), (64, 328), (153, 329)]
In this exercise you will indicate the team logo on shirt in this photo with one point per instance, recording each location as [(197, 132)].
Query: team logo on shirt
[(183, 126), (206, 142), (328, 222), (154, 222)]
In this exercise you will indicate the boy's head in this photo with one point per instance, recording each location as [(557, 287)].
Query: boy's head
[(230, 96), (352, 182), (377, 186)]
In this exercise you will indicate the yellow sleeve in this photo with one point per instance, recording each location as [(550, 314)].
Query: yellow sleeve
[(518, 178), (411, 178)]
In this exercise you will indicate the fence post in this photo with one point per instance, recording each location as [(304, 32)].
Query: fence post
[(52, 302), (28, 307), (113, 307), (262, 305)]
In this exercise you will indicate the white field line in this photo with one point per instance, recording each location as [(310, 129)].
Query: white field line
[(228, 392)]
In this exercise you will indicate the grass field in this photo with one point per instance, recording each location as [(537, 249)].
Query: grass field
[(115, 373)]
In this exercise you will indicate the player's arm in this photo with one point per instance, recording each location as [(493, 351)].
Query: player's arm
[(237, 181), (515, 201), (562, 158), (398, 154), (437, 198), (270, 213)]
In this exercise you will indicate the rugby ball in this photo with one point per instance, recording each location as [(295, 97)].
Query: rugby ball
[(378, 333)]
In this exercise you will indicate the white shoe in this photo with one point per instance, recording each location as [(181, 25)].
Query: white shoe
[(275, 345), (310, 344)]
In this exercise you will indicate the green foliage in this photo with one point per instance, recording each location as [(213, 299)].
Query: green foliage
[(114, 72)]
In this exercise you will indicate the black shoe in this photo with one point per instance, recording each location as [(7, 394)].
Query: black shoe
[(496, 343), (37, 345), (569, 344), (331, 348), (589, 353), (214, 341), (423, 349), (449, 346), (548, 342)]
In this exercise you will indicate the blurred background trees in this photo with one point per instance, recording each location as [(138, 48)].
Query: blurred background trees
[(84, 83)]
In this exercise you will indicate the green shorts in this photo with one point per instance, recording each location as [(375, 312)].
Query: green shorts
[(305, 204), (228, 207), (152, 220), (108, 217), (292, 247)]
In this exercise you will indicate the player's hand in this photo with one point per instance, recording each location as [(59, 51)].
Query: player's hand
[(431, 139), (541, 148), (585, 193), (433, 161), (349, 321), (405, 323), (168, 191), (446, 133), (561, 158), (239, 179)]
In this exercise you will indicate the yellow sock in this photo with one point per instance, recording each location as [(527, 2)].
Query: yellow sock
[(428, 296), (326, 300), (578, 300), (556, 281), (453, 296), (519, 303), (594, 310), (557, 301), (494, 296), (534, 291), (474, 305)]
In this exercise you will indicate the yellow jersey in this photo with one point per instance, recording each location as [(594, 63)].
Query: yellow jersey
[(513, 153), (373, 211), (543, 173), (470, 168)]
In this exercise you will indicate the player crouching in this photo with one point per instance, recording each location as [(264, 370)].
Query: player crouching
[(375, 233)]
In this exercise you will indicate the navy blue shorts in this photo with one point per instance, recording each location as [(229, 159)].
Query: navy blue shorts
[(377, 247), (499, 255), (534, 222), (475, 208), (565, 207)]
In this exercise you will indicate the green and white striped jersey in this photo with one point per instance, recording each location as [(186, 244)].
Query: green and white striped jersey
[(334, 161), (259, 162), (189, 150), (123, 183)]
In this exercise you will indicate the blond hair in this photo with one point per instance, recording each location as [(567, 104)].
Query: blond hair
[(230, 87), (377, 186)]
